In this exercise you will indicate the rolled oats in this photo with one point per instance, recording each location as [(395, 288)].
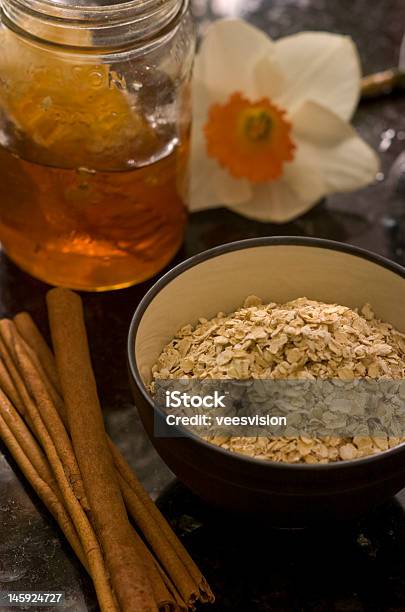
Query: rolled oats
[(302, 339)]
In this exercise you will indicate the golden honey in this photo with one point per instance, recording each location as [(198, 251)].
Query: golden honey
[(87, 229), (93, 151)]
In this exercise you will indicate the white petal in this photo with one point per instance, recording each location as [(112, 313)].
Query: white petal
[(322, 67), (333, 146), (212, 187), (280, 201), (269, 79), (228, 57), (230, 190), (201, 102)]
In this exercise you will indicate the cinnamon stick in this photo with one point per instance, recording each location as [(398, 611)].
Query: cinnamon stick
[(9, 389), (161, 585), (10, 376), (163, 590), (16, 351), (167, 547), (128, 574), (84, 529), (43, 490), (26, 440), (158, 578), (33, 337), (52, 390)]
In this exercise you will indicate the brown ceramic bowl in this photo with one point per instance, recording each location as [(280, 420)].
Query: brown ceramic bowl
[(276, 269)]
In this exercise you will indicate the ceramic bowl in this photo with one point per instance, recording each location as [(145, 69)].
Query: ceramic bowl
[(277, 269)]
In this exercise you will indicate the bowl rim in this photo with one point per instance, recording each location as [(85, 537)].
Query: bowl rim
[(191, 262)]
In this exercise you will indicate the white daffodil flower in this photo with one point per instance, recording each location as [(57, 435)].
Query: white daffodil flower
[(271, 133)]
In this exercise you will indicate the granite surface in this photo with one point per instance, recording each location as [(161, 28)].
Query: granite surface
[(347, 567)]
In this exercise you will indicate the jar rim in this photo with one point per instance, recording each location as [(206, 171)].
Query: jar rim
[(85, 11), (126, 23)]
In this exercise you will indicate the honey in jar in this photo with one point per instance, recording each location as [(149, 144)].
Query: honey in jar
[(94, 123)]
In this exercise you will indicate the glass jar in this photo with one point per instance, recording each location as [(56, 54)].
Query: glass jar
[(94, 133)]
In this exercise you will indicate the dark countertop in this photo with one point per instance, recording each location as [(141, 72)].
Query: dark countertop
[(350, 567)]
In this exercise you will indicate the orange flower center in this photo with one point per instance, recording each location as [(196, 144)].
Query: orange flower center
[(250, 139)]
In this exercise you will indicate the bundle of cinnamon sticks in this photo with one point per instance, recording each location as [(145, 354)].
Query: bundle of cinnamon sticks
[(51, 422)]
